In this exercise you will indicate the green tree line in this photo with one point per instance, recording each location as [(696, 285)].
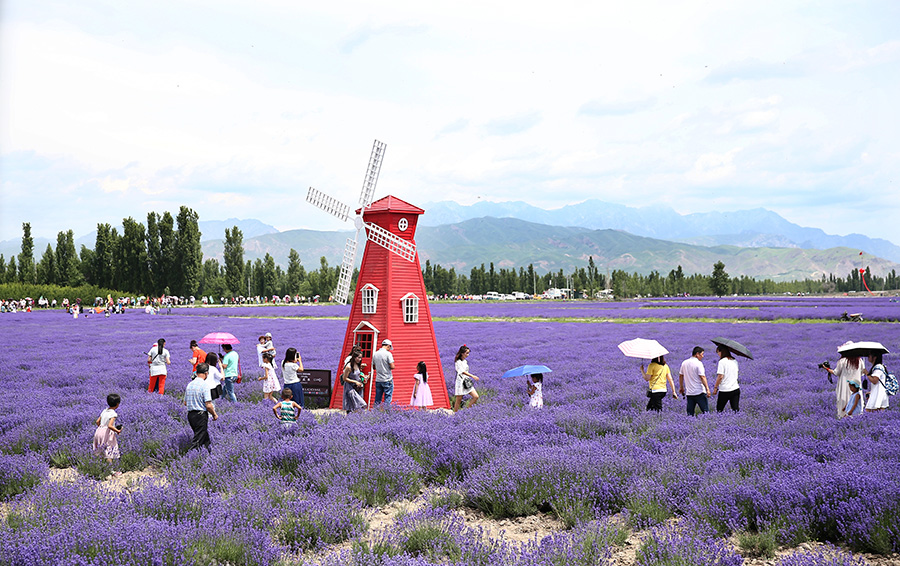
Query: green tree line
[(165, 257)]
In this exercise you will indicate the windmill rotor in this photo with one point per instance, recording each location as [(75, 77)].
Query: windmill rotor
[(373, 232)]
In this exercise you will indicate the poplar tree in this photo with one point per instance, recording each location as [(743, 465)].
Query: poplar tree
[(295, 272), (188, 252), (103, 257), (168, 260), (26, 257), (234, 261), (46, 268), (154, 256), (67, 268)]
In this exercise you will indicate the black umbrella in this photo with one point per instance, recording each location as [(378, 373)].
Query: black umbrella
[(735, 347)]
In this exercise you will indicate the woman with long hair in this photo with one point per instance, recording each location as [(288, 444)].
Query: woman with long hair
[(351, 379), (727, 387), (878, 397), (464, 383), (846, 370), (157, 360), (214, 376), (421, 395)]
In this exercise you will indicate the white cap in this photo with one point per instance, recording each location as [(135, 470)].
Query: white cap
[(387, 342)]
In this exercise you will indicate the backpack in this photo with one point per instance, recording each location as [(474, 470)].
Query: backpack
[(889, 381)]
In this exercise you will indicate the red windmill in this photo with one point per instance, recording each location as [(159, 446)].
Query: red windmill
[(390, 300)]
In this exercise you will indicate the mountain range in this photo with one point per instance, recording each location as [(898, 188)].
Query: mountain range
[(757, 243), (745, 228), (511, 243)]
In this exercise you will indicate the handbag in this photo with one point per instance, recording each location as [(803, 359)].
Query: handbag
[(467, 383)]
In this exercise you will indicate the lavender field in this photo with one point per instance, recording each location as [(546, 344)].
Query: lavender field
[(782, 472)]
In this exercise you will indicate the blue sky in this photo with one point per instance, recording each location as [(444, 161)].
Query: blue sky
[(111, 109)]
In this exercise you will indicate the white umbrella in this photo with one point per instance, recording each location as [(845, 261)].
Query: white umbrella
[(642, 348), (861, 349)]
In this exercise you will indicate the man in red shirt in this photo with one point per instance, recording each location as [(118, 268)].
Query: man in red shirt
[(198, 356)]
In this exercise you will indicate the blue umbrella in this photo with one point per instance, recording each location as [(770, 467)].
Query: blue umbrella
[(526, 370)]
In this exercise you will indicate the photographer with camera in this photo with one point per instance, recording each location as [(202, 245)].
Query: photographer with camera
[(846, 370)]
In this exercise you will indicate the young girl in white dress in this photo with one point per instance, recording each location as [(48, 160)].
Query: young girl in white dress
[(271, 379), (536, 391), (106, 437), (421, 396)]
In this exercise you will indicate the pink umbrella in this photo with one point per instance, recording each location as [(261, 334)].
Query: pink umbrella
[(219, 338), (642, 348)]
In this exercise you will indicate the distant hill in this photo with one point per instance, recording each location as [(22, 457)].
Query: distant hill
[(511, 243), (746, 228)]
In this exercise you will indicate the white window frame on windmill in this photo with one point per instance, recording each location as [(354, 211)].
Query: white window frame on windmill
[(410, 305), (369, 297), (366, 328)]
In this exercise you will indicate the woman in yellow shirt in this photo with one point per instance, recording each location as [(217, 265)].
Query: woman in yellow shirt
[(657, 375)]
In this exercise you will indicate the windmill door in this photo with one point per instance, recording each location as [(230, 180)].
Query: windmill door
[(366, 336)]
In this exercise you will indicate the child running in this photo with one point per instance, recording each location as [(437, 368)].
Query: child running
[(106, 442), (287, 410), (271, 379), (421, 395)]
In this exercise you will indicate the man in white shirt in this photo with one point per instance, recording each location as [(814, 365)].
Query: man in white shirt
[(692, 382)]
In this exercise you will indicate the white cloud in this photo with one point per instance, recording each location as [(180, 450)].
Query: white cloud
[(713, 167), (198, 102)]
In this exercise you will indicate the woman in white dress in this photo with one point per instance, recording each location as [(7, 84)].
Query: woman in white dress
[(464, 383), (846, 370)]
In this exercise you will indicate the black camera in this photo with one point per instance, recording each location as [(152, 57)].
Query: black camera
[(825, 364)]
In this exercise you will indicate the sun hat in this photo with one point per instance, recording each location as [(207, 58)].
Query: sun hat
[(268, 334), (854, 382)]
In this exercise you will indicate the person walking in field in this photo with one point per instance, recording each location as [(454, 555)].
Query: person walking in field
[(658, 375), (198, 356), (199, 404), (692, 382), (230, 371), (727, 388), (464, 380), (106, 437), (157, 359)]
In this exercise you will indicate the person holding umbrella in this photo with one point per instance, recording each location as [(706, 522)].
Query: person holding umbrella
[(658, 375), (727, 388)]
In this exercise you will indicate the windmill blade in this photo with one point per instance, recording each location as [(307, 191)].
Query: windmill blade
[(368, 188), (328, 204), (391, 242), (347, 264)]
